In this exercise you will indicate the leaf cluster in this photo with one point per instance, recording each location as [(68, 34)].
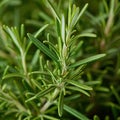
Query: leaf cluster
[(62, 63)]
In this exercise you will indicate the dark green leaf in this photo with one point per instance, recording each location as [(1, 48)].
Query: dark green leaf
[(75, 113), (73, 97), (52, 47), (116, 94), (58, 27), (43, 48)]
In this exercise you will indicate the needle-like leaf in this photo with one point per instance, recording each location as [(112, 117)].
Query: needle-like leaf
[(77, 84), (54, 10), (43, 48), (87, 60), (75, 113), (60, 103)]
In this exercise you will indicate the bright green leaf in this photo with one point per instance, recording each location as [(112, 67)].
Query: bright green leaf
[(50, 117), (40, 30), (63, 29), (60, 103), (85, 35), (78, 89), (87, 60), (13, 75), (82, 11), (80, 85), (45, 91), (53, 10), (42, 93), (77, 15), (14, 35)]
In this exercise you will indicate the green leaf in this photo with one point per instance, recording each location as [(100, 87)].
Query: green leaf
[(85, 35), (3, 2), (72, 97), (93, 83), (38, 72), (69, 13), (60, 103), (52, 47), (5, 70), (50, 117), (13, 75), (54, 11), (79, 85), (58, 27), (87, 60), (63, 29), (78, 89), (75, 113), (46, 91), (34, 59), (22, 31), (82, 11), (116, 94), (102, 89), (77, 14), (43, 48), (36, 83), (96, 117), (45, 16), (14, 35), (40, 30), (42, 93), (2, 104)]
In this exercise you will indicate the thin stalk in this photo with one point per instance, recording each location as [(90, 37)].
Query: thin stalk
[(110, 18), (23, 56), (50, 102), (24, 63), (64, 66)]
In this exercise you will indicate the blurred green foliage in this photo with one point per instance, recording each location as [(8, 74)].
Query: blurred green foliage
[(102, 17)]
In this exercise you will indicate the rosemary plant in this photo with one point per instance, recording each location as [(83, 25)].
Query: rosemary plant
[(42, 70)]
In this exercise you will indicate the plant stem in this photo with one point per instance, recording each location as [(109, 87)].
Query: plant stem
[(110, 19), (50, 102), (24, 66)]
